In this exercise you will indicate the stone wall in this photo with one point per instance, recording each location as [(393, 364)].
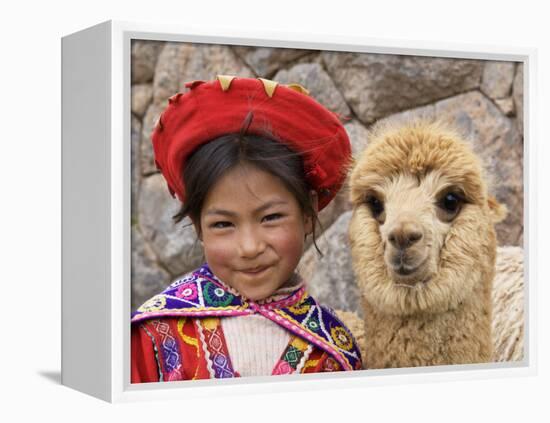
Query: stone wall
[(484, 99)]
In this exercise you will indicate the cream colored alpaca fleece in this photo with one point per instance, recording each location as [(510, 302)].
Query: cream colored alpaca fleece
[(508, 305), (444, 317)]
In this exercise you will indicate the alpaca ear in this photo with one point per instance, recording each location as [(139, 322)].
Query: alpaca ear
[(497, 211)]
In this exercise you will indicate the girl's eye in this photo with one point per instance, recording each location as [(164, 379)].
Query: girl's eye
[(220, 225), (273, 216)]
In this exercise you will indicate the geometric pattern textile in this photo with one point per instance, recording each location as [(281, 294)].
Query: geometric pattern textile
[(201, 294)]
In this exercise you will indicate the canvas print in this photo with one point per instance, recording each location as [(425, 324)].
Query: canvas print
[(304, 211)]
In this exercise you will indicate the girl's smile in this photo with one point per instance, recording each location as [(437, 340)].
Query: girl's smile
[(253, 231), (255, 271)]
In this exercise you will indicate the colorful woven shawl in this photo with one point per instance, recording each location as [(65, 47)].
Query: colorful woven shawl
[(201, 294)]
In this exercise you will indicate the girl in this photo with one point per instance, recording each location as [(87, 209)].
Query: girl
[(252, 162)]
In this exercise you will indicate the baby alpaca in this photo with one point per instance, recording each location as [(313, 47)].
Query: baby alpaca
[(423, 247)]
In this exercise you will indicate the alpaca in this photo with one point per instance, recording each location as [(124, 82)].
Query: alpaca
[(508, 302), (423, 247)]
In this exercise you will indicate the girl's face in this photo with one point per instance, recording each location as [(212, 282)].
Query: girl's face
[(253, 231)]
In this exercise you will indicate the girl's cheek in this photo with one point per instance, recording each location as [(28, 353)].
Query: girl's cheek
[(290, 241), (218, 249)]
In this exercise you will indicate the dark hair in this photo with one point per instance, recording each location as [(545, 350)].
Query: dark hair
[(208, 163)]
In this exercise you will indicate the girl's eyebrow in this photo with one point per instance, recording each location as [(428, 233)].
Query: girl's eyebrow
[(256, 211)]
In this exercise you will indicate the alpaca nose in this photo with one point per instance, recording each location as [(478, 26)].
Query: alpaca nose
[(405, 234)]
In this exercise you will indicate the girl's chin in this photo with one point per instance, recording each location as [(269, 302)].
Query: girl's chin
[(254, 292)]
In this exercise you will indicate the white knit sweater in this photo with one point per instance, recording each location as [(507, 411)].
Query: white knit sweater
[(255, 343)]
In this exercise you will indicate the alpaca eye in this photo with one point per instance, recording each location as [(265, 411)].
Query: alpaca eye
[(451, 202), (449, 205), (375, 205)]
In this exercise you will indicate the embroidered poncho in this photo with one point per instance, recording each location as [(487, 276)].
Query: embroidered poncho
[(177, 335)]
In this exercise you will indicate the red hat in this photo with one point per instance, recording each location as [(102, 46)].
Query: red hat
[(284, 113)]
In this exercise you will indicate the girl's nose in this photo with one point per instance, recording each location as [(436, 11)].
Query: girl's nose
[(250, 244)]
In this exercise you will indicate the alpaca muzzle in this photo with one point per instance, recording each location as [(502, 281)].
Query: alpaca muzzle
[(406, 251)]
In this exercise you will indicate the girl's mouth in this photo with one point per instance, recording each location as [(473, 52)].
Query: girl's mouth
[(255, 271)]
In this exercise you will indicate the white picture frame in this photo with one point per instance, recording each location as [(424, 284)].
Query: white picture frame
[(96, 190)]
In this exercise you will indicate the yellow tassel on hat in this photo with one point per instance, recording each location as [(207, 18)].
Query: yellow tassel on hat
[(225, 81), (299, 88), (269, 85)]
